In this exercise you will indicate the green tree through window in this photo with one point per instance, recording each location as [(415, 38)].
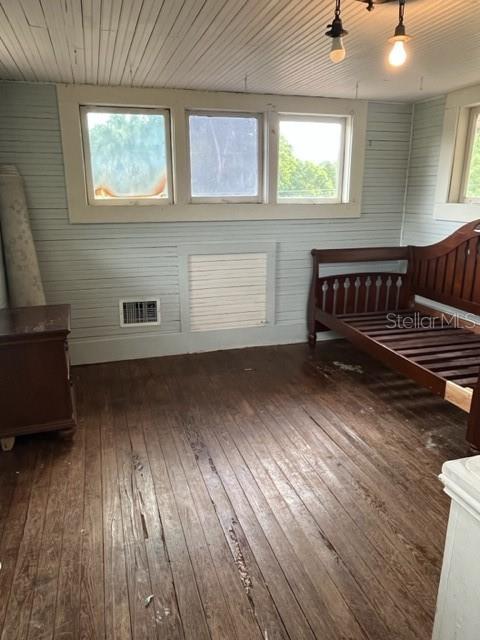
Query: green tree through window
[(128, 154), (304, 178)]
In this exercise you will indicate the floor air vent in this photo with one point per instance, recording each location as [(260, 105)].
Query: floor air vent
[(139, 312)]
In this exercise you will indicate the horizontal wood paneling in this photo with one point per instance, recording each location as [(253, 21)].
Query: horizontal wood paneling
[(420, 226), (227, 291), (92, 266)]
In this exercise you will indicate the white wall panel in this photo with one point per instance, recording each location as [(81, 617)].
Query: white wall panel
[(227, 290), (420, 226), (92, 266)]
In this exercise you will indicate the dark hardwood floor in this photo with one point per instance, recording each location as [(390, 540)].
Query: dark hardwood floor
[(255, 494)]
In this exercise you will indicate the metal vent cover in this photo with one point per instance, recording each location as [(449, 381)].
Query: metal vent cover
[(136, 312)]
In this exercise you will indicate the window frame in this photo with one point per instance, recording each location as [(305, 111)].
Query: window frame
[(85, 109), (474, 116), (450, 203), (212, 113), (344, 156), (178, 102)]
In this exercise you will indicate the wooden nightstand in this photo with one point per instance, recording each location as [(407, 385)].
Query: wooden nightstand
[(36, 393)]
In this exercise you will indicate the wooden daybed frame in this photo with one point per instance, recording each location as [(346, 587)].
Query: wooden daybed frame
[(378, 312)]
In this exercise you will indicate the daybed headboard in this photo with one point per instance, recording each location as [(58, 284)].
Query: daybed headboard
[(449, 271)]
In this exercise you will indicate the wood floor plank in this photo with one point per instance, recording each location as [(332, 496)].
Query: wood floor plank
[(8, 481), (371, 520), (42, 617), (228, 573), (295, 615), (92, 592), (211, 593), (67, 610), (378, 434), (310, 548), (410, 562), (294, 549), (263, 493), (323, 549), (384, 545), (164, 601), (360, 557), (15, 525), (418, 410), (21, 594), (190, 607), (270, 594), (258, 593), (142, 617), (117, 610), (368, 473)]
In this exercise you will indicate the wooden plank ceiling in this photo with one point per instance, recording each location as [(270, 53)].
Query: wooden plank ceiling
[(275, 46)]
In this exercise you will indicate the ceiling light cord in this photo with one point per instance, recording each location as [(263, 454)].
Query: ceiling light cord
[(337, 8)]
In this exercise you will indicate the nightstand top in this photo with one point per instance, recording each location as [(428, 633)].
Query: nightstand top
[(30, 321)]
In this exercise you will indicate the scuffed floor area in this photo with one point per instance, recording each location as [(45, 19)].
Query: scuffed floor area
[(259, 493)]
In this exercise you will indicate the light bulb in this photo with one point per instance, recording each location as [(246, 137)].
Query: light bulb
[(398, 54), (337, 52)]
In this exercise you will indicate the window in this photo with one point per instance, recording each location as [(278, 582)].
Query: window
[(457, 191), (311, 159), (162, 155), (471, 178), (126, 155), (225, 157)]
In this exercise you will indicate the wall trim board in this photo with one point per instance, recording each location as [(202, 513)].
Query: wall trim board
[(112, 349)]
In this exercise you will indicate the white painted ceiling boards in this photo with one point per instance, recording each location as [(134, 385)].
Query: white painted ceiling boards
[(268, 46)]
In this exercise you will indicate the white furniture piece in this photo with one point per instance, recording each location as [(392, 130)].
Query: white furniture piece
[(458, 604)]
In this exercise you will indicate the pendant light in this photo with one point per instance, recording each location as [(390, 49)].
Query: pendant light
[(336, 32), (398, 54)]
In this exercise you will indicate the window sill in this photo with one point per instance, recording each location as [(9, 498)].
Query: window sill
[(457, 211), (211, 212)]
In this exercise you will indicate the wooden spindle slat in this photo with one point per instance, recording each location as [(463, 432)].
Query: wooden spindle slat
[(450, 272), (368, 284), (458, 278), (358, 284), (399, 284), (470, 264), (335, 287), (346, 288), (440, 273), (324, 295)]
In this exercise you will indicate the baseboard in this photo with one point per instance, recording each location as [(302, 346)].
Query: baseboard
[(111, 349)]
